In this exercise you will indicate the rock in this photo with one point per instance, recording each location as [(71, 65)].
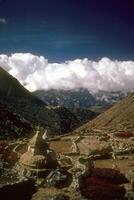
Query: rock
[(82, 167), (57, 197), (130, 176), (104, 138), (65, 161), (130, 195), (103, 153), (7, 154), (92, 146), (58, 178), (120, 157), (130, 164)]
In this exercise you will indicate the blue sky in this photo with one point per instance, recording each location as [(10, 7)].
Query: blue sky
[(68, 29)]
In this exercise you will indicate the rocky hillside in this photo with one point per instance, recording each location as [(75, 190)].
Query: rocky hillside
[(11, 89), (20, 101), (84, 115), (12, 125), (118, 117)]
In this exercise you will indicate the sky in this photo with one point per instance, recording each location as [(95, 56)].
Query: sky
[(68, 29), (68, 44)]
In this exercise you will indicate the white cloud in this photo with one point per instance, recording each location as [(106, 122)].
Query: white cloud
[(3, 21), (35, 72)]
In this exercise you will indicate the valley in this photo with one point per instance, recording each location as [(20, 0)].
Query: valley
[(90, 142)]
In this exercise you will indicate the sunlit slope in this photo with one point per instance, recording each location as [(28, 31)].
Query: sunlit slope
[(118, 117)]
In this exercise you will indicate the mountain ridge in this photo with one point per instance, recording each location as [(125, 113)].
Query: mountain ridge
[(10, 88)]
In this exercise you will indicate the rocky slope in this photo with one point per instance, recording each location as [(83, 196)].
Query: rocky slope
[(84, 115), (118, 117), (109, 97), (11, 125), (11, 89), (20, 101)]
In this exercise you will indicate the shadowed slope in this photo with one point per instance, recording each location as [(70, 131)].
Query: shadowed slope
[(20, 101)]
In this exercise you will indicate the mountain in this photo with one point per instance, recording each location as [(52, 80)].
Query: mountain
[(81, 98), (84, 105), (83, 115), (67, 98), (11, 125), (78, 102), (20, 101), (109, 97), (118, 117), (10, 88), (58, 111)]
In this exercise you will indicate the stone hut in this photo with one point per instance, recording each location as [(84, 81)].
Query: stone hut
[(39, 157)]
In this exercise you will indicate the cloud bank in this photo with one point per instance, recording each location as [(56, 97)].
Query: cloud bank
[(35, 72)]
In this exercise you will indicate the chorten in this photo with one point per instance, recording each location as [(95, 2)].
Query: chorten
[(38, 156)]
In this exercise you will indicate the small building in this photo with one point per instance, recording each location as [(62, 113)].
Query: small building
[(39, 157)]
